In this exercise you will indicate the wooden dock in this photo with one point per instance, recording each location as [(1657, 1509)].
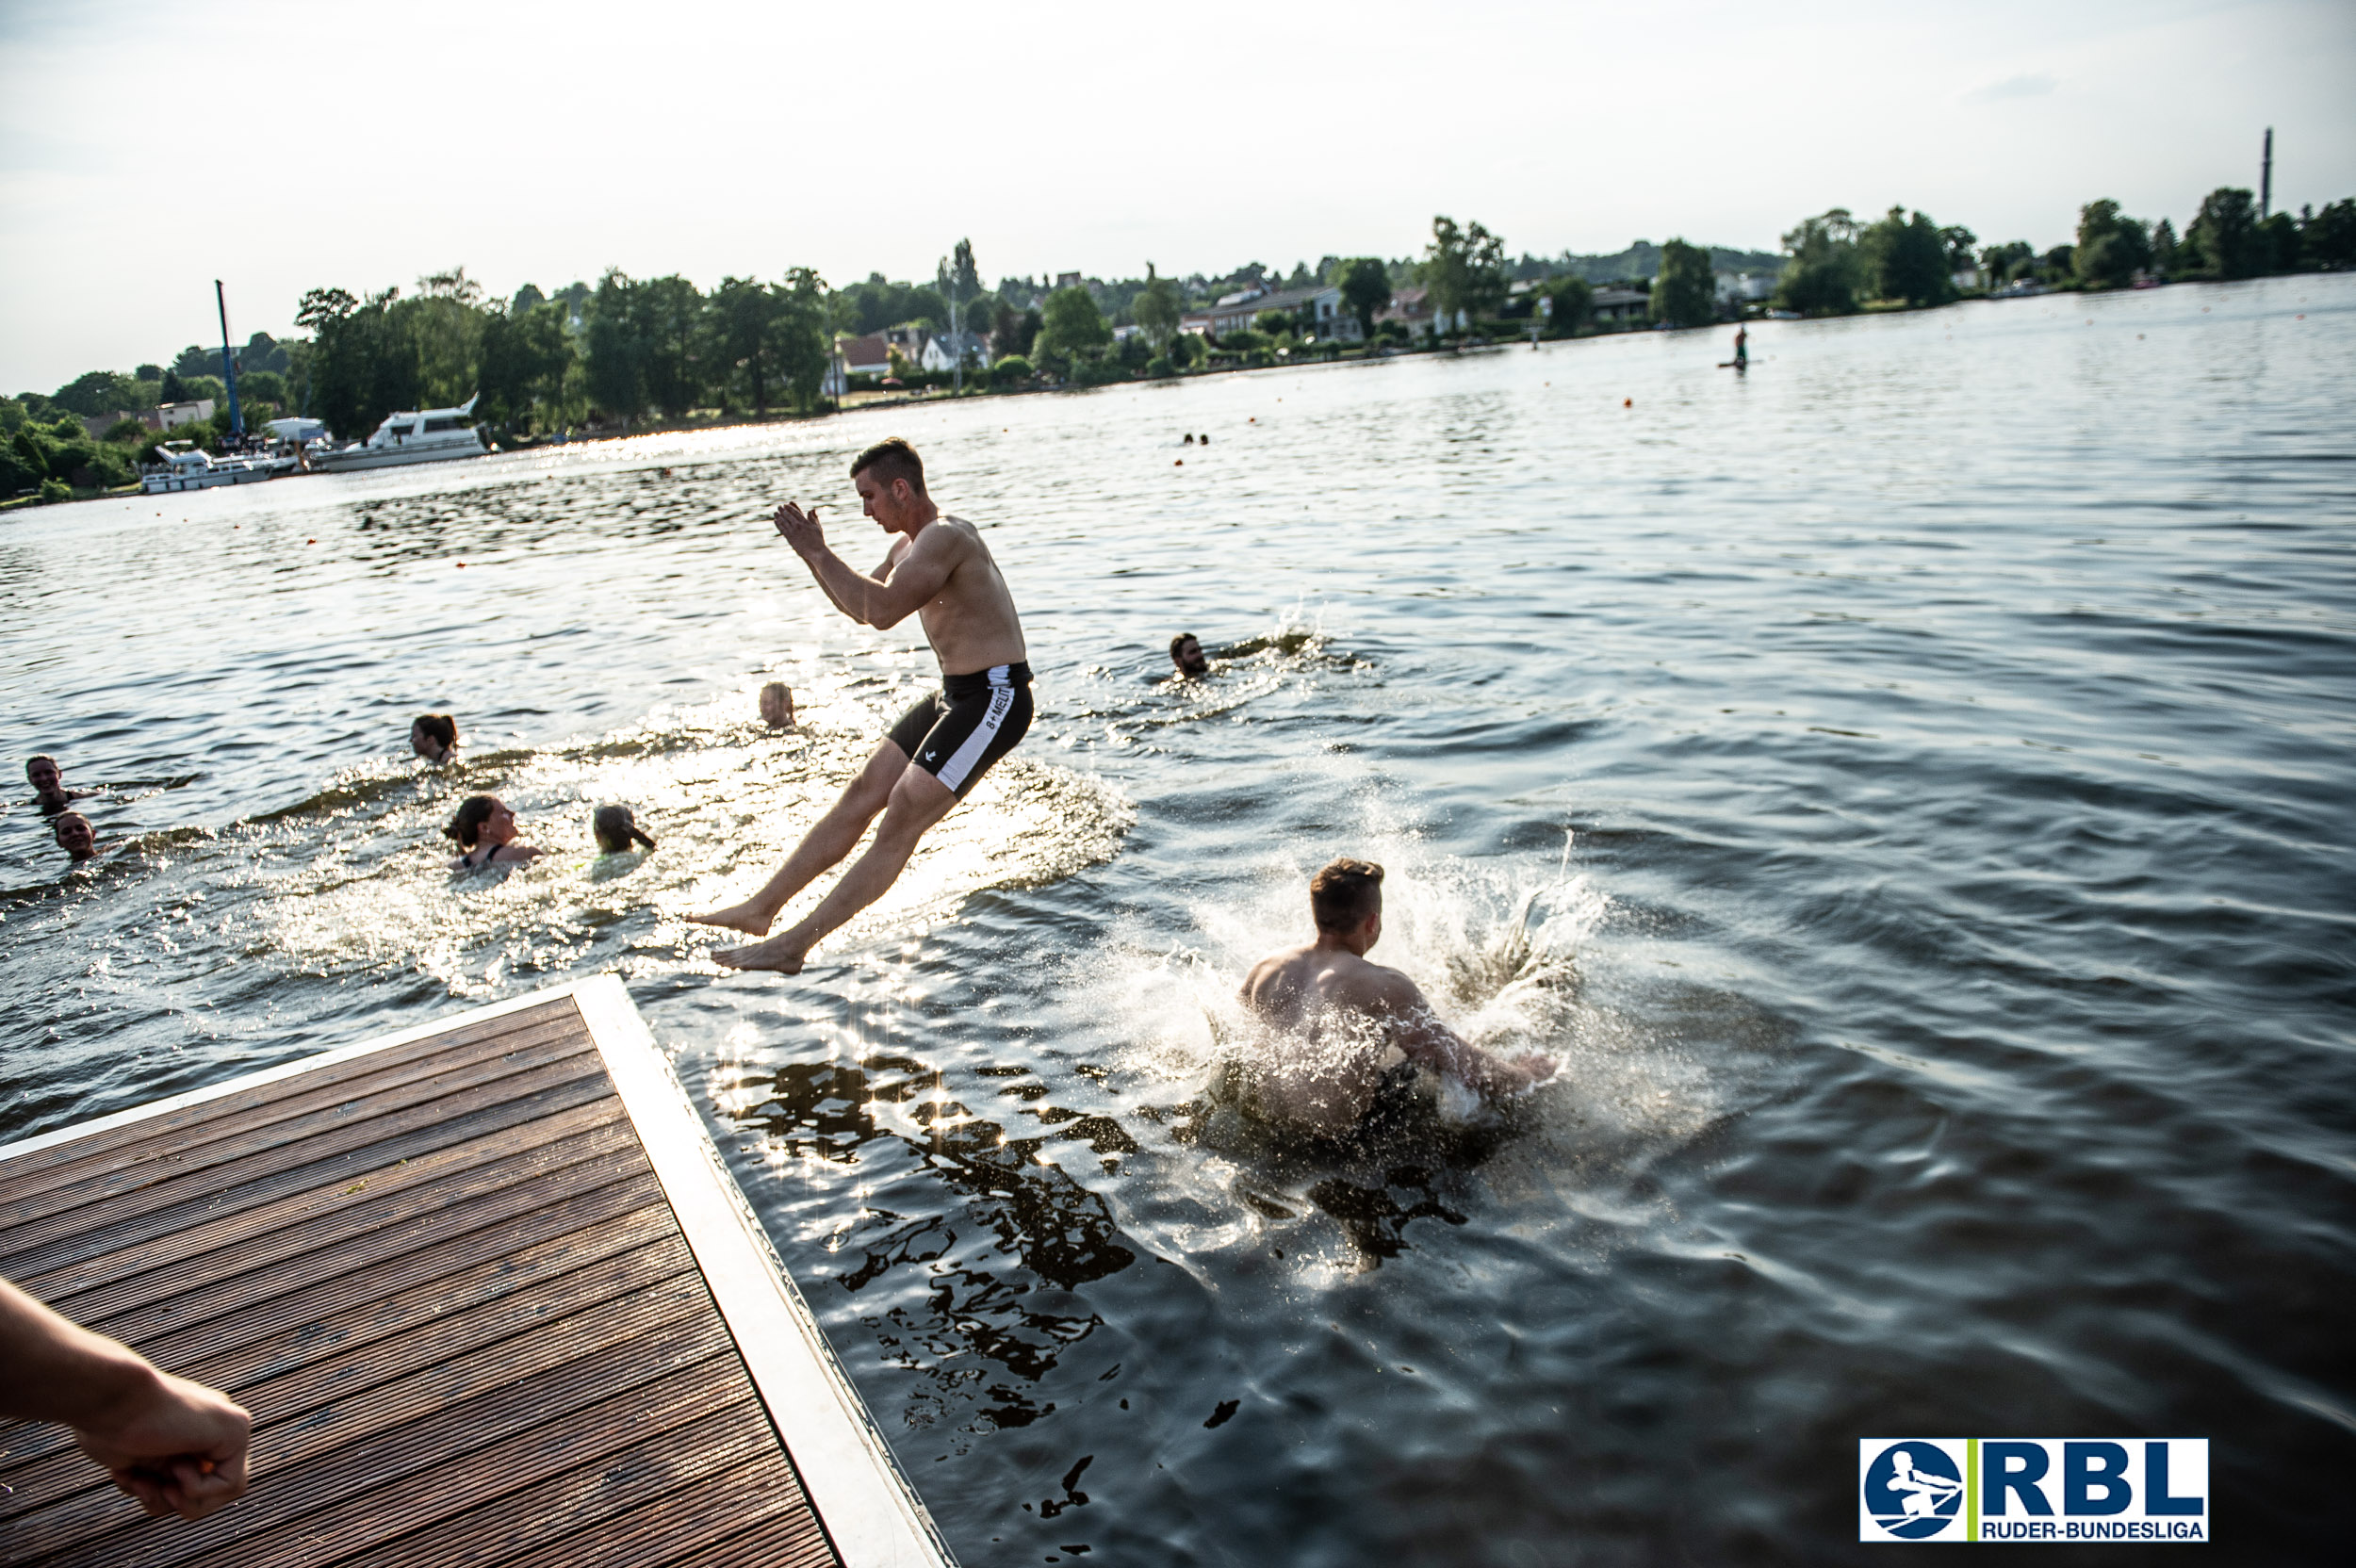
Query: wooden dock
[(492, 1297)]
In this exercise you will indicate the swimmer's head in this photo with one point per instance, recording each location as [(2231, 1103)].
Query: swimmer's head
[(890, 480), (1185, 652), (1346, 900), (432, 735), (478, 818), (615, 827), (75, 835), (41, 772), (777, 704)]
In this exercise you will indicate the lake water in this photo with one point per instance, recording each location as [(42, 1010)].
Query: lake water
[(1907, 790)]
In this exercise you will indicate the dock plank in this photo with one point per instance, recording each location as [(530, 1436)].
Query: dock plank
[(451, 1274), (262, 1105), (404, 1082)]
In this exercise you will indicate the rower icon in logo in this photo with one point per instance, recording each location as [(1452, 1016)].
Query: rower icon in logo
[(1913, 1490)]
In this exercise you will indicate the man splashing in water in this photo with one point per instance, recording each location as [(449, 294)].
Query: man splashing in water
[(1332, 1016), (940, 571)]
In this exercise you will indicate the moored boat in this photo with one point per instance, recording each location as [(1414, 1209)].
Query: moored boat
[(427, 435), (201, 470)]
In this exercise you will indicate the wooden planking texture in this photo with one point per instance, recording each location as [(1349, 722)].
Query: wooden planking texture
[(444, 1278)]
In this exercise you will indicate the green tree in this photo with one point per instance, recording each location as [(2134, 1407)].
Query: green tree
[(2164, 251), (1158, 309), (1464, 272), (97, 392), (741, 316), (1907, 259), (2278, 243), (1822, 277), (525, 355), (1957, 242), (2111, 248), (2004, 263), (614, 353), (1072, 327), (800, 337), (2223, 237), (1365, 285), (1574, 303), (364, 360), (2328, 238), (1684, 293)]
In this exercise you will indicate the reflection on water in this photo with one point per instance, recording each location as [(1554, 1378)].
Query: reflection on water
[(1903, 791)]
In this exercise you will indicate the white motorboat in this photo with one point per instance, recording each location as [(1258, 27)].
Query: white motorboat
[(428, 435), (201, 470)]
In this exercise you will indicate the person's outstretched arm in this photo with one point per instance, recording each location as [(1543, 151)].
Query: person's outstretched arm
[(1419, 1032), (882, 603), (176, 1447)]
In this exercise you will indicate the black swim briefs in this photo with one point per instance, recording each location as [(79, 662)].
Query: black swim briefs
[(955, 733)]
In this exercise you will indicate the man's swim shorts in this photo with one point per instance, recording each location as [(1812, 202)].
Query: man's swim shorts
[(958, 733)]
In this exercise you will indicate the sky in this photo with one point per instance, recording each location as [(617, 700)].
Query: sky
[(147, 149)]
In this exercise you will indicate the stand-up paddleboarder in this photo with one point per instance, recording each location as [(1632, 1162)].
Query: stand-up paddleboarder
[(939, 570)]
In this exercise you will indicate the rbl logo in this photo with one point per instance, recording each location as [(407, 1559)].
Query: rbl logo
[(2017, 1489)]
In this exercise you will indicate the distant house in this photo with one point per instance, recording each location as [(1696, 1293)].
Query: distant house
[(870, 355), (1237, 311), (1745, 288), (1066, 280), (173, 415), (945, 351), (1410, 307), (1621, 305), (99, 424)]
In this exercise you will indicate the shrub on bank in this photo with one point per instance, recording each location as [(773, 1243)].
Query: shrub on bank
[(1012, 370)]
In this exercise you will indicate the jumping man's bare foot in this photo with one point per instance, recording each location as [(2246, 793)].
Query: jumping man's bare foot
[(745, 917), (781, 954)]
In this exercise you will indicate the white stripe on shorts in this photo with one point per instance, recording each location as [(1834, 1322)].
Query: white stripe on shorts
[(952, 772)]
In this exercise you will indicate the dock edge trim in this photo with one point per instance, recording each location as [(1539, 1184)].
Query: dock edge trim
[(873, 1516)]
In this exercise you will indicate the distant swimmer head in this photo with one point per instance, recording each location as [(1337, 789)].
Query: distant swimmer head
[(481, 819), (891, 482), (1186, 653), (75, 835), (433, 736), (1189, 440), (777, 704), (1346, 901), (43, 774), (616, 828)]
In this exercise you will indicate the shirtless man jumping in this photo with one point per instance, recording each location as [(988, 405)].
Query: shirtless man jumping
[(1336, 1016), (940, 571)]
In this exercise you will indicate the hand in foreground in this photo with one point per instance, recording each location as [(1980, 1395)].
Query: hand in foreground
[(1526, 1071), (175, 1445), (800, 528)]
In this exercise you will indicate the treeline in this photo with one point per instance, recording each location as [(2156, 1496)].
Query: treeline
[(1839, 266), (628, 348)]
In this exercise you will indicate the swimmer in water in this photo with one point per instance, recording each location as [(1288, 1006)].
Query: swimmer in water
[(1186, 653), (485, 828), (777, 704), (615, 828), (48, 783), (939, 570), (75, 836), (1334, 1016), (433, 737)]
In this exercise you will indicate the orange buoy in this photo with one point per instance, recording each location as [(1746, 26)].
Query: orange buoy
[(1628, 402), (1180, 463)]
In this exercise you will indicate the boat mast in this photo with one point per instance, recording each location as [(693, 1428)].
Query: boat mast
[(228, 363)]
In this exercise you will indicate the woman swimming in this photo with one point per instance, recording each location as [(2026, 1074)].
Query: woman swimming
[(433, 737), (485, 829)]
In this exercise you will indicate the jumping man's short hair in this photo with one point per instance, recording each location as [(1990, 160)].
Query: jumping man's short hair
[(893, 458), (1344, 893)]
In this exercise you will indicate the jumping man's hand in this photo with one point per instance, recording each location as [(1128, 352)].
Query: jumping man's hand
[(800, 529)]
